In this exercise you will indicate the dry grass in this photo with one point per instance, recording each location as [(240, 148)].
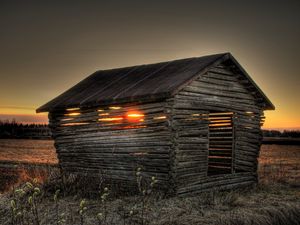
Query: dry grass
[(279, 164), (30, 151), (263, 204), (276, 200)]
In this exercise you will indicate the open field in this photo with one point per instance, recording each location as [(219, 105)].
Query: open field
[(17, 157), (275, 201), (279, 163), (30, 151), (276, 162)]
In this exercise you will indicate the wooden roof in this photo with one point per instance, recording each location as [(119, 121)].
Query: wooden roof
[(140, 83)]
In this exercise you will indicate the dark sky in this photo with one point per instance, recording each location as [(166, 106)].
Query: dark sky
[(48, 46)]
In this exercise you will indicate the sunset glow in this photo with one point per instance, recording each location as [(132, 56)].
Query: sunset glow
[(289, 121), (135, 116), (149, 112), (37, 64)]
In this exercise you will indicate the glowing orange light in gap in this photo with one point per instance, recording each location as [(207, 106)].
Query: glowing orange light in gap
[(135, 116), (111, 119), (103, 114), (73, 114), (160, 117), (115, 107)]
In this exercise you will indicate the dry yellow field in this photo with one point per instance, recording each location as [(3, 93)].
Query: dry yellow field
[(279, 163), (276, 162), (27, 151)]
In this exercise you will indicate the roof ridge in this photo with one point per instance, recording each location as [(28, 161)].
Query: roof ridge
[(168, 61)]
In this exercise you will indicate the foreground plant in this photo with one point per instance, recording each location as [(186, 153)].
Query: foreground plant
[(15, 214), (33, 203), (144, 190), (20, 208), (82, 210), (59, 217), (102, 216), (17, 208), (99, 218)]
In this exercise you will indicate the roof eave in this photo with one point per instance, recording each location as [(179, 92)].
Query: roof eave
[(135, 99)]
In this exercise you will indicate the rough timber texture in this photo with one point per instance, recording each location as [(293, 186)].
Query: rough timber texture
[(105, 141), (221, 89)]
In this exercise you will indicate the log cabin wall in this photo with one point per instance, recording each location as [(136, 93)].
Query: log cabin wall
[(220, 91), (114, 141), (193, 123)]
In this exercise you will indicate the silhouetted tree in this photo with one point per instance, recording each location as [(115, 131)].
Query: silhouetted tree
[(13, 129)]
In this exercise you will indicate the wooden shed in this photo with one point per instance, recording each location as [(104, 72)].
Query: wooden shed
[(194, 124)]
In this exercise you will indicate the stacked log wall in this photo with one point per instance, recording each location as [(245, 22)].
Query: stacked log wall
[(103, 141), (221, 89), (190, 143)]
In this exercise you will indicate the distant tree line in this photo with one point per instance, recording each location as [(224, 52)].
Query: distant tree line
[(285, 133), (13, 129)]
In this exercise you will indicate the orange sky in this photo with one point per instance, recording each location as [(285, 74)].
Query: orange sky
[(45, 48)]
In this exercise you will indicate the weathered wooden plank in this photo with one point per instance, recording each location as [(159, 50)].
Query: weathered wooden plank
[(223, 181), (213, 105)]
